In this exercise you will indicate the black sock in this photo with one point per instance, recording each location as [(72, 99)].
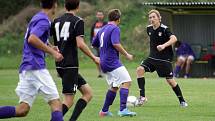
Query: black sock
[(79, 107), (141, 84), (64, 109), (178, 93)]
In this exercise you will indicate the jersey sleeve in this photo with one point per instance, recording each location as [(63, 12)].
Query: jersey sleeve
[(168, 32), (79, 28), (115, 36), (40, 28)]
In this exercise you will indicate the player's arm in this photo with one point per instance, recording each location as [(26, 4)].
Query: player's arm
[(53, 47), (172, 40), (37, 43), (120, 48), (85, 49)]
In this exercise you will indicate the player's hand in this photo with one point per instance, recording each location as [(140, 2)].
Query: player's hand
[(160, 47), (129, 56), (58, 56), (56, 48), (97, 60)]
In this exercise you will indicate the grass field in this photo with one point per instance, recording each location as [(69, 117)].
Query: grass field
[(162, 103)]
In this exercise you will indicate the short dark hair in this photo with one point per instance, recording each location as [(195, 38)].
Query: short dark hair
[(114, 15), (47, 3), (72, 4), (177, 44)]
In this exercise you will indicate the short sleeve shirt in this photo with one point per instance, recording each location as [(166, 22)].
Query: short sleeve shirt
[(104, 40), (33, 58), (157, 37)]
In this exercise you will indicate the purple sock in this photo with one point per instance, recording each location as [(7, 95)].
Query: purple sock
[(110, 96), (7, 112), (57, 116), (177, 70), (123, 98)]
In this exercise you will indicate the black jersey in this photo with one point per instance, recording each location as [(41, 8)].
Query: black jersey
[(157, 37), (65, 29)]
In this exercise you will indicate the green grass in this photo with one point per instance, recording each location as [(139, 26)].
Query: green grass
[(162, 103)]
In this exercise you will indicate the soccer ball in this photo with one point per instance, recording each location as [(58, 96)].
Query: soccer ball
[(131, 101)]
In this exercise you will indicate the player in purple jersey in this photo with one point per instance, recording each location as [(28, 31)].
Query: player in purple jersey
[(160, 57), (185, 57), (34, 78), (108, 41)]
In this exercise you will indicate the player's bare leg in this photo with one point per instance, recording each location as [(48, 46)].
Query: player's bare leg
[(22, 109), (179, 65), (177, 91), (87, 95), (56, 108), (187, 69)]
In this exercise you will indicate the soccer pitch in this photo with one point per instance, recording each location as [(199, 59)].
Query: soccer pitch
[(162, 103)]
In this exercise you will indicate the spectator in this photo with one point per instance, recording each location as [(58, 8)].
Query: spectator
[(185, 57), (99, 23)]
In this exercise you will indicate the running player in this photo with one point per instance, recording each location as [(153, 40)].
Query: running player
[(160, 57), (68, 33)]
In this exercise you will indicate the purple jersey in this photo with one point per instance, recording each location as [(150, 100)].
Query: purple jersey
[(105, 39), (33, 58), (184, 49)]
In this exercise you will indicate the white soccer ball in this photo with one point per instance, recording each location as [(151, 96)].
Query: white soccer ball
[(131, 101)]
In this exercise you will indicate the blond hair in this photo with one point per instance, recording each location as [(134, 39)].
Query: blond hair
[(156, 12)]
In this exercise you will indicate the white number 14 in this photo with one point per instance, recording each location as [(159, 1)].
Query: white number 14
[(64, 31)]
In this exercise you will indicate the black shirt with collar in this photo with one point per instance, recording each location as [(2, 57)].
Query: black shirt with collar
[(159, 36), (65, 29)]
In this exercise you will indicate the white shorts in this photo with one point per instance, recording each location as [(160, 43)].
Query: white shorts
[(183, 58), (33, 82), (118, 76)]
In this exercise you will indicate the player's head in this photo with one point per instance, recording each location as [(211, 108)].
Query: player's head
[(177, 44), (100, 15), (71, 4), (49, 5), (154, 17), (114, 15)]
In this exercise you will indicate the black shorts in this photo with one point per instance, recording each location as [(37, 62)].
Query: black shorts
[(71, 80), (163, 67)]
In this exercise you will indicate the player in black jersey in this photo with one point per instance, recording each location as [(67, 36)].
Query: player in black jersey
[(160, 57), (68, 34)]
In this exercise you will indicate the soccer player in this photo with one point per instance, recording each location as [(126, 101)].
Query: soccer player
[(34, 78), (160, 57), (94, 30), (68, 33), (185, 57), (108, 40)]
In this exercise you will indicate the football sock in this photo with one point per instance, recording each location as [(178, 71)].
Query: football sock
[(123, 98), (57, 116), (177, 70), (141, 84), (178, 93), (110, 96), (7, 112), (64, 109), (79, 107)]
